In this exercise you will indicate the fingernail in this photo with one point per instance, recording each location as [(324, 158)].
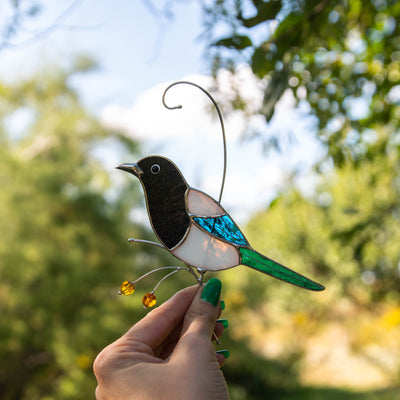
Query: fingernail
[(212, 291), (224, 322), (222, 305), (225, 353)]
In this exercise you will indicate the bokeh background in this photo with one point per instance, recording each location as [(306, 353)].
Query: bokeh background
[(310, 91)]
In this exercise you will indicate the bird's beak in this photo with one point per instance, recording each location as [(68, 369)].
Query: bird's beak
[(132, 168)]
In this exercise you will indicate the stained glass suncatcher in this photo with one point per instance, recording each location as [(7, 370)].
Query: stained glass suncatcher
[(194, 227)]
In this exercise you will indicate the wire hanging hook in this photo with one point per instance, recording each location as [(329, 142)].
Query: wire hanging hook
[(178, 107)]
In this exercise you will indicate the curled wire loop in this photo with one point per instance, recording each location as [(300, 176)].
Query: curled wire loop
[(178, 107)]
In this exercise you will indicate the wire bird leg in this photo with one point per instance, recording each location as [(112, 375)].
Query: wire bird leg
[(197, 277), (201, 275)]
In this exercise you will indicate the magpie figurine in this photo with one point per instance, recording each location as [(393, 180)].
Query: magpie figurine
[(194, 227)]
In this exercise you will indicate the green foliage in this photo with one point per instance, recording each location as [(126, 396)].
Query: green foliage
[(64, 249), (235, 42), (252, 376), (341, 57), (345, 236), (65, 223), (347, 232)]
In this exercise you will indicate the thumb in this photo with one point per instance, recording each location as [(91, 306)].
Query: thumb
[(202, 314), (194, 356), (199, 324)]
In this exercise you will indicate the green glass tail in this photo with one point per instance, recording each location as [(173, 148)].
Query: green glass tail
[(255, 260)]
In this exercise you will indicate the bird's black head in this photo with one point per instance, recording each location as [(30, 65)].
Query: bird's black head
[(155, 172), (165, 189)]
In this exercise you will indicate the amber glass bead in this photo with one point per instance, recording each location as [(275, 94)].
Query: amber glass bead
[(149, 300), (127, 288)]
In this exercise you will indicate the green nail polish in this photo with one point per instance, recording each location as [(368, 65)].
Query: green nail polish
[(222, 305), (224, 322), (225, 353), (212, 291)]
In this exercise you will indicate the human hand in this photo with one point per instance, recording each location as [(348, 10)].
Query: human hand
[(168, 354)]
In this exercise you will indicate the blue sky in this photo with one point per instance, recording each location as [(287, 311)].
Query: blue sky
[(138, 56), (135, 49)]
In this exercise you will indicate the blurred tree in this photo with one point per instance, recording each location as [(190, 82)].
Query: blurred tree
[(341, 57), (346, 236), (64, 228), (346, 233), (341, 61), (64, 250)]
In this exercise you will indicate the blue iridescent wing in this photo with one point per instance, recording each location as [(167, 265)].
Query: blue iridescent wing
[(222, 227), (208, 215)]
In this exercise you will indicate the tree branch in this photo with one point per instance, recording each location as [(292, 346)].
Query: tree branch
[(16, 25)]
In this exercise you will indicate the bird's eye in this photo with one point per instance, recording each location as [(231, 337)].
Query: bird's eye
[(155, 169)]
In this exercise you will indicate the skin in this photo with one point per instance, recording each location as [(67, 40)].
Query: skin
[(166, 355)]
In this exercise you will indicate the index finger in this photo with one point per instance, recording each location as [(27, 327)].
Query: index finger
[(156, 326)]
